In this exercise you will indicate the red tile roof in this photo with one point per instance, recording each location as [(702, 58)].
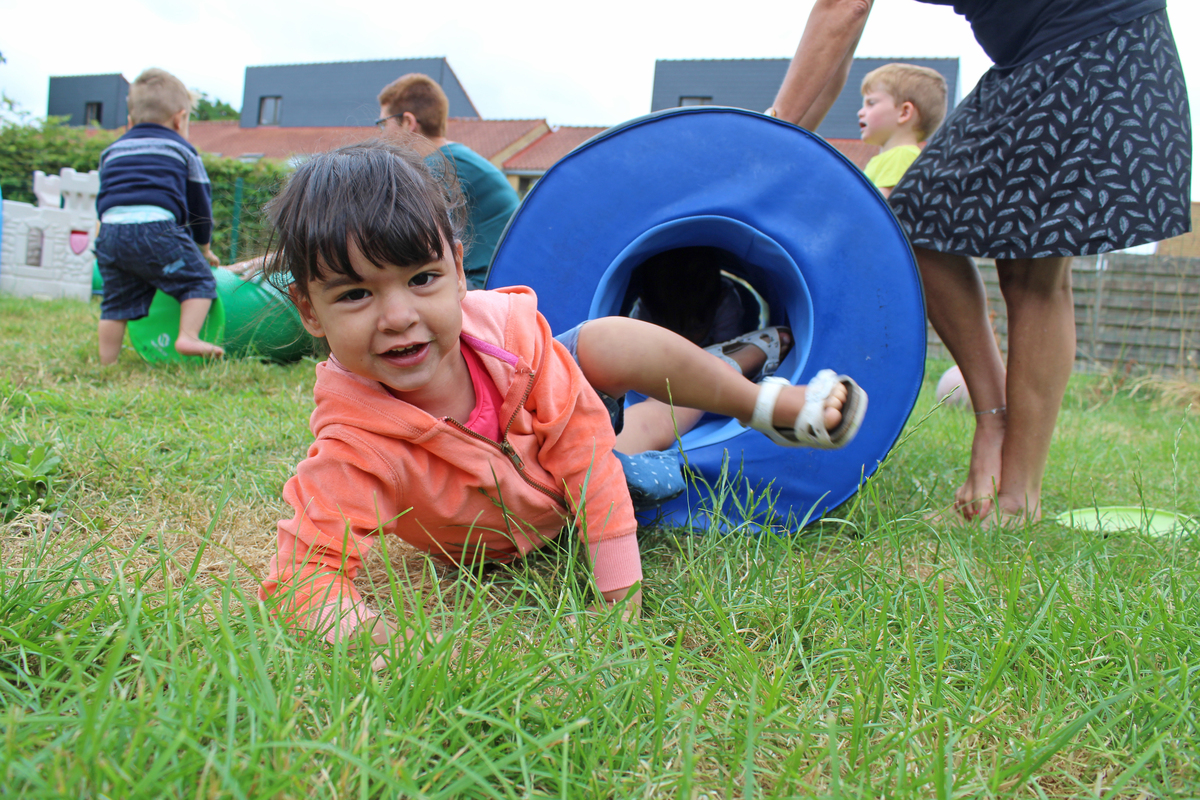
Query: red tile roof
[(546, 151), (492, 137), (518, 145), (228, 138)]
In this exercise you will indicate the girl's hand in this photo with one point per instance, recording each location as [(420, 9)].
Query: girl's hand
[(632, 609), (381, 635)]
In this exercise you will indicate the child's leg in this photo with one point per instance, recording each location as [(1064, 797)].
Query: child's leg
[(191, 317), (112, 335), (653, 425), (618, 355)]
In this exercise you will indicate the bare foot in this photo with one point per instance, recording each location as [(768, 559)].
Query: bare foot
[(1010, 512), (191, 346), (974, 499)]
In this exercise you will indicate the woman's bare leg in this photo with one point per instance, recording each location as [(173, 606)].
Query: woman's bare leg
[(618, 355), (957, 307), (1041, 354)]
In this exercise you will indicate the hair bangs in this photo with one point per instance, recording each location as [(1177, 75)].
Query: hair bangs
[(376, 197)]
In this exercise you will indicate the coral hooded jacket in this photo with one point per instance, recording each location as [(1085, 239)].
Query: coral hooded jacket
[(381, 465)]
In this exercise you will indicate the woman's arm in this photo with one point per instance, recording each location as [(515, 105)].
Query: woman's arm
[(818, 71)]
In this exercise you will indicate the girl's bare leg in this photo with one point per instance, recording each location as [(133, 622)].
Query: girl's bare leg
[(1041, 354), (957, 307), (618, 355)]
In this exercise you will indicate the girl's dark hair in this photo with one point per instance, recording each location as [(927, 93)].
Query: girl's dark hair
[(381, 196)]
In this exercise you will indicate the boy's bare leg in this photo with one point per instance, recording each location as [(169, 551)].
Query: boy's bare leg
[(111, 334), (1041, 354), (191, 317), (619, 354), (957, 307), (653, 425)]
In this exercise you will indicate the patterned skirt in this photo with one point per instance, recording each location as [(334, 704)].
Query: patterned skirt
[(1082, 151)]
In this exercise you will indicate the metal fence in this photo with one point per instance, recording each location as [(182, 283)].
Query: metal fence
[(1139, 313)]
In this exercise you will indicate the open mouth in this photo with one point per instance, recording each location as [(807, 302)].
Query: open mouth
[(404, 352)]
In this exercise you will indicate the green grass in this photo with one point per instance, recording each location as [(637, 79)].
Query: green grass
[(878, 656)]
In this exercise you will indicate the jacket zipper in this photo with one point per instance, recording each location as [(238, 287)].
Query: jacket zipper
[(510, 452)]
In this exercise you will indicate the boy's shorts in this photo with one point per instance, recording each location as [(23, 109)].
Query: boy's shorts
[(137, 259)]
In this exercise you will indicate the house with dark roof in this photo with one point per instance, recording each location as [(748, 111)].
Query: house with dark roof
[(90, 99), (752, 83), (337, 94), (331, 95)]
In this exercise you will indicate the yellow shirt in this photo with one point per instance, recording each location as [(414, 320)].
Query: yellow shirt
[(886, 169)]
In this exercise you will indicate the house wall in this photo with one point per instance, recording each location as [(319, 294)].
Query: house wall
[(70, 94), (341, 94), (752, 84)]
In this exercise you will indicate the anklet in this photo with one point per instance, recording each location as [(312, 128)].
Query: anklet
[(999, 410)]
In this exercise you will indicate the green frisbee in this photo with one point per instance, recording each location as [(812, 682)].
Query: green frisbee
[(1119, 519)]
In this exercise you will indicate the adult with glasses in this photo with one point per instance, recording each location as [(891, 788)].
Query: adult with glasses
[(414, 106), (1076, 142)]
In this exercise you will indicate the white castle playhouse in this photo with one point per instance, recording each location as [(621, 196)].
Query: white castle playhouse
[(46, 250)]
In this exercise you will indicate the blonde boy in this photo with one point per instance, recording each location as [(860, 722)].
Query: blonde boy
[(903, 105), (155, 209)]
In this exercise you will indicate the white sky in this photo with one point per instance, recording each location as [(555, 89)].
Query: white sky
[(570, 63)]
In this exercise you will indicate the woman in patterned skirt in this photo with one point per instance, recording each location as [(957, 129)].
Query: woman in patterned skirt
[(1076, 142)]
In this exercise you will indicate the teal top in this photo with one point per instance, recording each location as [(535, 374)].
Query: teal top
[(491, 200)]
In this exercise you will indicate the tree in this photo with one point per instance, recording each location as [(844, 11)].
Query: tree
[(207, 109)]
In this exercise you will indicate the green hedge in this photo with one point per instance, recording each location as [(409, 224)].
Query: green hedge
[(27, 144), (47, 145), (260, 182)]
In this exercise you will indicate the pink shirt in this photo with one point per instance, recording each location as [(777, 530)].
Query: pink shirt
[(485, 419)]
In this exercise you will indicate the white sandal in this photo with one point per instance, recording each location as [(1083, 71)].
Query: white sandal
[(809, 428), (766, 340)]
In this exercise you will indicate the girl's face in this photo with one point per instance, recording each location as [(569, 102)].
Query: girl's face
[(398, 325), (878, 118)]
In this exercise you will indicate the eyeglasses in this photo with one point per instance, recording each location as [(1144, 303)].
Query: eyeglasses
[(381, 123)]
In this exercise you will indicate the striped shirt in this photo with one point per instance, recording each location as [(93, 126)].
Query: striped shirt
[(154, 166)]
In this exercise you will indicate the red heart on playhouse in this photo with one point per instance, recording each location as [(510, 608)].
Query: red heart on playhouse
[(79, 241)]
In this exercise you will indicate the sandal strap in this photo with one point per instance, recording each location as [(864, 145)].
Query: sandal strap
[(811, 420), (765, 339), (764, 405)]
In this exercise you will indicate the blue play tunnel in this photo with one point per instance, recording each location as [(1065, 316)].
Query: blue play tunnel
[(799, 223)]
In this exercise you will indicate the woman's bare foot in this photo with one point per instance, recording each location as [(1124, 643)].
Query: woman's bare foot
[(1014, 512), (192, 346), (975, 498)]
